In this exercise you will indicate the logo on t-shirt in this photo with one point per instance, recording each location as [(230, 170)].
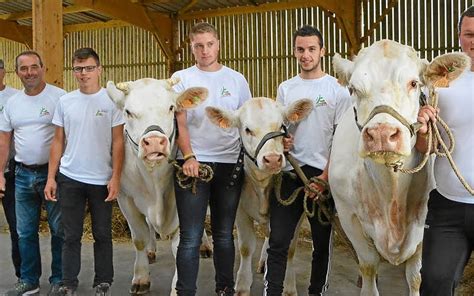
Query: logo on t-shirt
[(1, 108), (44, 112), (320, 101), (100, 112), (225, 92)]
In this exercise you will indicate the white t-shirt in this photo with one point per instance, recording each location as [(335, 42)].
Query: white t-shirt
[(228, 90), (456, 105), (313, 136), (87, 121), (30, 119), (5, 94)]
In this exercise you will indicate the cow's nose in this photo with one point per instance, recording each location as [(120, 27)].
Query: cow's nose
[(382, 137), (272, 160)]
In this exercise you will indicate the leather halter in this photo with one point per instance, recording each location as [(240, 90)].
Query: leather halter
[(283, 132), (152, 128)]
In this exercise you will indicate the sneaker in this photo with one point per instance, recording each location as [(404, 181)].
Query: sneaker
[(54, 290), (22, 288), (67, 291), (102, 289)]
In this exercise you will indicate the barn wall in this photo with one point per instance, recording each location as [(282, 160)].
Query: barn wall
[(260, 45)]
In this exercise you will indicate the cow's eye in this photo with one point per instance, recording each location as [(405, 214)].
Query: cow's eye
[(128, 113), (171, 108), (248, 131), (412, 84), (351, 89)]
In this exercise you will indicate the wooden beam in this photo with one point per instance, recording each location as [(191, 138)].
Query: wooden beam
[(137, 15), (188, 6), (48, 37), (28, 14), (348, 16), (329, 6), (373, 26), (94, 26), (13, 31)]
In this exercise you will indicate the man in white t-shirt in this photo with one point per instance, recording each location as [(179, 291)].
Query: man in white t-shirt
[(448, 239), (200, 141), (310, 146), (27, 116), (7, 194), (88, 149)]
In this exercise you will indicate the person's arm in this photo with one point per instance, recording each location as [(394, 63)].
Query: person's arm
[(5, 140), (118, 154), (190, 165), (55, 153), (426, 114)]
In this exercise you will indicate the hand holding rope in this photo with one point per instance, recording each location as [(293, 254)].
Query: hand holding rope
[(184, 181)]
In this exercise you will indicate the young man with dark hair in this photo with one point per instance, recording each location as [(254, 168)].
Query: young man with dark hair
[(27, 116), (448, 239), (219, 149), (88, 150), (7, 193), (310, 147)]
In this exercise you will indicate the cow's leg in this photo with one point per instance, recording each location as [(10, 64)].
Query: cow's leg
[(151, 247), (367, 254), (263, 256), (140, 237), (412, 272), (289, 285), (174, 250), (246, 241)]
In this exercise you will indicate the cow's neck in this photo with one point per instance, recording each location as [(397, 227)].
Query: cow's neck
[(261, 184)]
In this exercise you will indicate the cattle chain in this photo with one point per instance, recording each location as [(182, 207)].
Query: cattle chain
[(205, 175)]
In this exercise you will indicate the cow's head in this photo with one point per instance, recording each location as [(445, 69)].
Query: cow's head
[(257, 118), (149, 107), (385, 80)]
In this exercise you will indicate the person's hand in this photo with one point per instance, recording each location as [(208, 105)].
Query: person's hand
[(114, 188), (426, 114), (288, 142), (191, 167), (2, 185), (50, 190), (316, 187)]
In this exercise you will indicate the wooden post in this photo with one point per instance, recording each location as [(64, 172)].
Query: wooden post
[(48, 38)]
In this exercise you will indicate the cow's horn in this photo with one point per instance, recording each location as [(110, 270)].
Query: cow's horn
[(173, 80), (123, 86)]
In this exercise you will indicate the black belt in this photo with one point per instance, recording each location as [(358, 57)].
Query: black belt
[(33, 167)]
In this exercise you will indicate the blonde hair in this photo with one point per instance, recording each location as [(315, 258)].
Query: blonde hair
[(201, 28)]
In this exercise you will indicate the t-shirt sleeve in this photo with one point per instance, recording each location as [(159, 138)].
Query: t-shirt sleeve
[(343, 102), (245, 93), (117, 116), (58, 116), (5, 124), (280, 95)]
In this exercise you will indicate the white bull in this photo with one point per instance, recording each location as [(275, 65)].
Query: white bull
[(147, 193), (257, 118), (383, 210)]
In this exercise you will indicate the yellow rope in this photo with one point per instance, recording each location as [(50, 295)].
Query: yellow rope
[(205, 174)]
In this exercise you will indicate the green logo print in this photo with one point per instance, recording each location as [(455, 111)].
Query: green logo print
[(99, 113), (44, 112), (1, 108), (320, 101), (225, 92)]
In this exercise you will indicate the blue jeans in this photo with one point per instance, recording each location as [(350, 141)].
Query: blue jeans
[(29, 197), (73, 196), (283, 222), (223, 201), (448, 243), (8, 202)]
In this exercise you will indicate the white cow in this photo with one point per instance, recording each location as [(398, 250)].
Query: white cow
[(383, 211), (255, 119), (147, 192)]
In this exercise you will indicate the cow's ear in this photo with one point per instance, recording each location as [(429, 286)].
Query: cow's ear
[(222, 118), (191, 97), (445, 68), (343, 69), (298, 110), (116, 94)]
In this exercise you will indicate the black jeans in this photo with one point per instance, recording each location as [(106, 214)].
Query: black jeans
[(72, 196), (283, 222), (447, 244), (223, 201), (8, 202)]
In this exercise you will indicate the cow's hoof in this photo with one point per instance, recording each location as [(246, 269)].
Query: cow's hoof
[(205, 252), (151, 257), (359, 282), (140, 289), (261, 268)]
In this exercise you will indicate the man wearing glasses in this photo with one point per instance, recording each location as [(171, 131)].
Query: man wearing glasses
[(88, 150), (27, 116)]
